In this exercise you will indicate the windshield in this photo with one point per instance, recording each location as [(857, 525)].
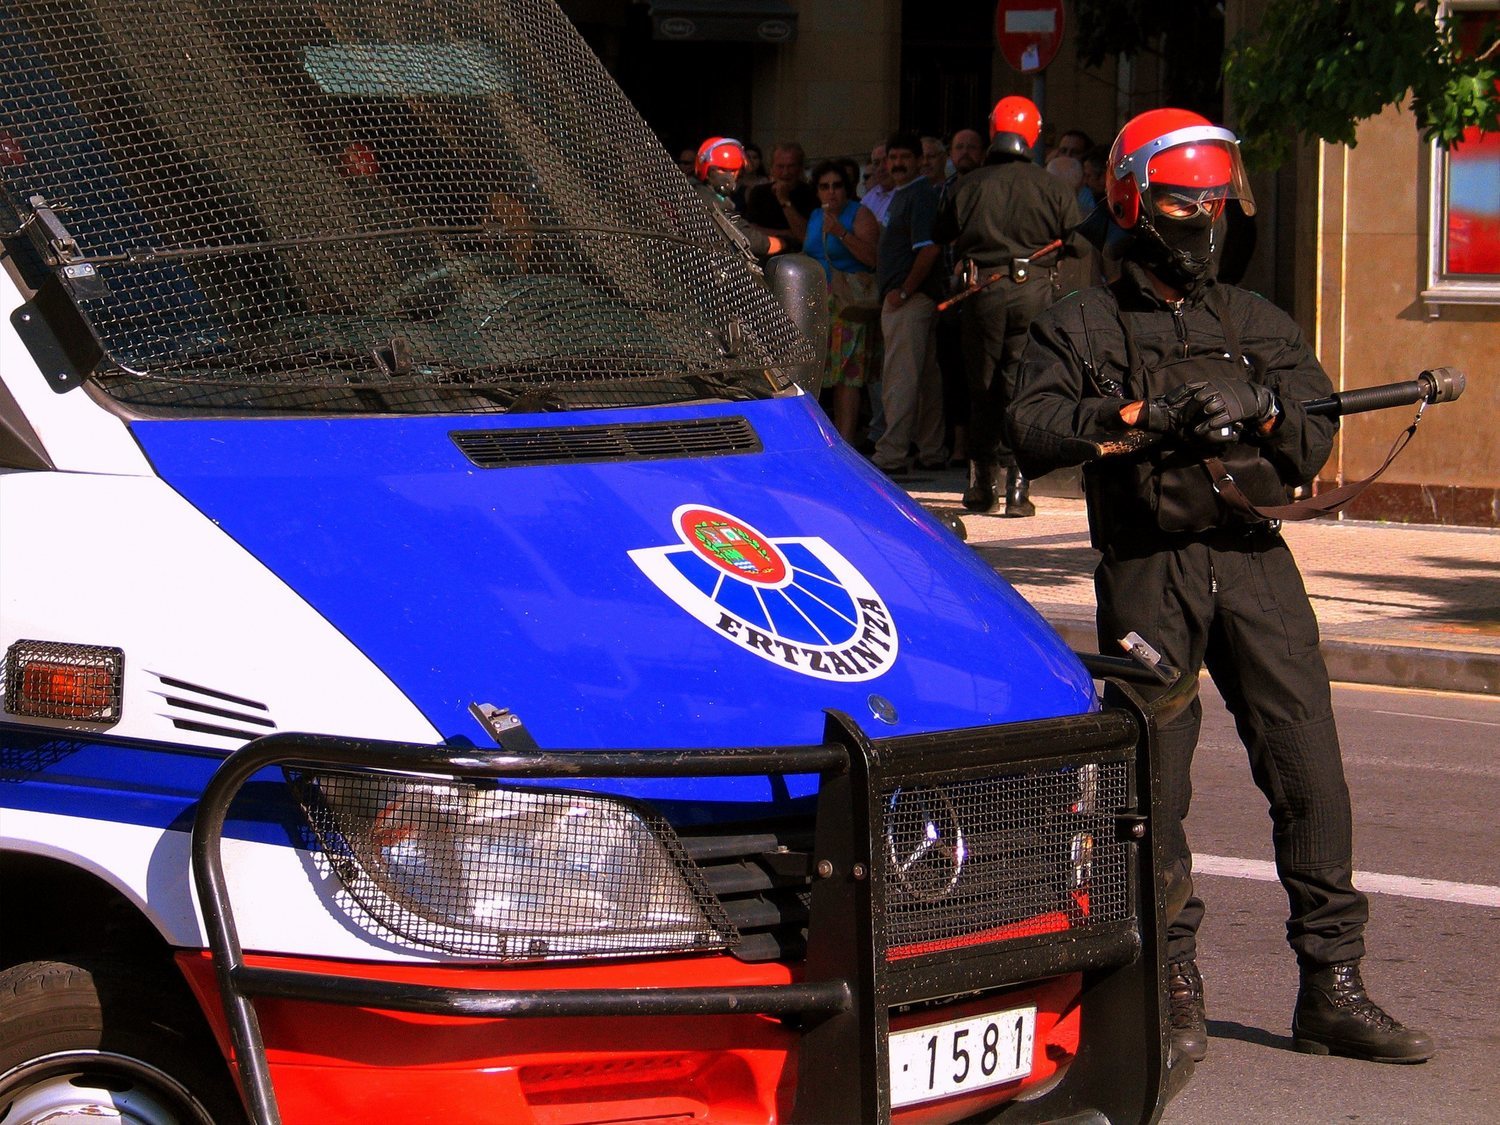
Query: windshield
[(398, 205)]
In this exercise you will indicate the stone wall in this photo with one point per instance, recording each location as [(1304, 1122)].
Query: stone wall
[(1371, 325)]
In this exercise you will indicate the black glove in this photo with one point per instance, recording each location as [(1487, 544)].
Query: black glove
[(1223, 403), (1172, 413)]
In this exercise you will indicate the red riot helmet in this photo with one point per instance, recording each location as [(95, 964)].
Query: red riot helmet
[(722, 153), (1179, 163), (1015, 124)]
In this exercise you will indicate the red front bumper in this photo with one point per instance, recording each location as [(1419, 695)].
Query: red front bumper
[(331, 1064)]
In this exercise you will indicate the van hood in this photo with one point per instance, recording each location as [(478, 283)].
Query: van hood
[(638, 601)]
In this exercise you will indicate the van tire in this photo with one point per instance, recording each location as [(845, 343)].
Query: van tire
[(109, 1037)]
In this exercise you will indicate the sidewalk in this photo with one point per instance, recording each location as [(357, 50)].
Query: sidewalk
[(1400, 605)]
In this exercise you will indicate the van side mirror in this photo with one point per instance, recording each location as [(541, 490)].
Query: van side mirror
[(798, 284)]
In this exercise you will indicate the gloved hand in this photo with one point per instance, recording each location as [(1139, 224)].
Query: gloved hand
[(1220, 404), (1173, 412)]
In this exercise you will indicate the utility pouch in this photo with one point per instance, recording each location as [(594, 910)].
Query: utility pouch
[(1173, 487), (1177, 484)]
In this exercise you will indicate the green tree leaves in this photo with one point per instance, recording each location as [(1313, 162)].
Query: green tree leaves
[(1316, 68)]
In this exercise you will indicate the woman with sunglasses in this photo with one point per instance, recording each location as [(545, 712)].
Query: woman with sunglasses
[(842, 236)]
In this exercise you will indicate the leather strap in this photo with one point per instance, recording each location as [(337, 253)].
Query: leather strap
[(1323, 504)]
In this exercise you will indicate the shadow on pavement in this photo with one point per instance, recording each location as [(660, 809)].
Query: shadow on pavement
[(1228, 1029), (1038, 563), (1469, 593)]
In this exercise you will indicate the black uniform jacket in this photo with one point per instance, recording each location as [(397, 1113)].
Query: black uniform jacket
[(1010, 210), (1073, 373)]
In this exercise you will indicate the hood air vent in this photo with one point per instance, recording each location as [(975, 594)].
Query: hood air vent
[(210, 711), (632, 441)]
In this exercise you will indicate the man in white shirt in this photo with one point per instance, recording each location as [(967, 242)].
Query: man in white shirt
[(878, 185)]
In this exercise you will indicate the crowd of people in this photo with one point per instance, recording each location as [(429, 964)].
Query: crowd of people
[(910, 375), (945, 260)]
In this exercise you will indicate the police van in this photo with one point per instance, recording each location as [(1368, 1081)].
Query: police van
[(453, 672)]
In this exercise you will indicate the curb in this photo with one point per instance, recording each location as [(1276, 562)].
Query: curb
[(1408, 666), (1353, 662)]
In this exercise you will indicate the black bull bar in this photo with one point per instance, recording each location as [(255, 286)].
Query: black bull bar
[(849, 986)]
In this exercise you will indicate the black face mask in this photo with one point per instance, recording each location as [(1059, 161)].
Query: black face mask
[(1179, 251), (722, 181)]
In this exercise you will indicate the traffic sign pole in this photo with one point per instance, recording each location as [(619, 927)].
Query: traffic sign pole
[(1028, 33)]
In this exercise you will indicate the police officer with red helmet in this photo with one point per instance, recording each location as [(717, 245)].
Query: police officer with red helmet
[(718, 166), (996, 217), (1184, 369)]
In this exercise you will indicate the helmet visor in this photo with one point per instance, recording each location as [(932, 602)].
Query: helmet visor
[(1196, 168)]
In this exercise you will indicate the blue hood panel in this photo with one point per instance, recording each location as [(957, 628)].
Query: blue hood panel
[(573, 596)]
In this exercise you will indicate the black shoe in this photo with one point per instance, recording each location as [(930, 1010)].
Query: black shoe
[(983, 493), (1334, 1016), (1018, 495), (1185, 999)]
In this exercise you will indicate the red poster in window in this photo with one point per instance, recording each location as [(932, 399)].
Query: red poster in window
[(1474, 205), (1473, 202)]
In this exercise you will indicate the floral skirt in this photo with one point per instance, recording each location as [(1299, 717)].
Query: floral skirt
[(854, 351)]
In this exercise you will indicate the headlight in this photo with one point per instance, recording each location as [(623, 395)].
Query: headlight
[(509, 873)]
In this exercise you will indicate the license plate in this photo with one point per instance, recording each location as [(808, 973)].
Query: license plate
[(961, 1056)]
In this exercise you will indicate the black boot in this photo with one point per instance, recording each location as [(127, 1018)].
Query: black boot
[(1334, 1016), (1185, 999), (983, 493), (1018, 494)]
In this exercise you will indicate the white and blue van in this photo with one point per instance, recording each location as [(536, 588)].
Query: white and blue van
[(453, 671)]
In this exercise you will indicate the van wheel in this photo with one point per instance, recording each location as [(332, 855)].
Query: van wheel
[(108, 1041)]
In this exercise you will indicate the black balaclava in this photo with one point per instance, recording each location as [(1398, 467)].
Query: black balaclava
[(1179, 251), (722, 181)]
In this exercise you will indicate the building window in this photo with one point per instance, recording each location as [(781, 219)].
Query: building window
[(1464, 215)]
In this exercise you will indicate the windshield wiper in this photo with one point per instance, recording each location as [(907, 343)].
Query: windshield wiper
[(713, 385), (137, 255)]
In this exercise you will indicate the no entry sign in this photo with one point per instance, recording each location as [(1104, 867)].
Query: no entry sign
[(1029, 32)]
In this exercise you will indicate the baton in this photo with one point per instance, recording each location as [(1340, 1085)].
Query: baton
[(1439, 384), (979, 285)]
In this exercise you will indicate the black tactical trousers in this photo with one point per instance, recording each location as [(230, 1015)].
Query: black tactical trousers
[(1235, 603), (995, 323)]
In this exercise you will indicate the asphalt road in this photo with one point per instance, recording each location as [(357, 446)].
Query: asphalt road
[(1424, 772)]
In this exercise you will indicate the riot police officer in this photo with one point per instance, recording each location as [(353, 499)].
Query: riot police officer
[(1166, 355), (718, 167), (995, 217)]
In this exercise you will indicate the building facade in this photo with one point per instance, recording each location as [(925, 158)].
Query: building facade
[(1387, 254)]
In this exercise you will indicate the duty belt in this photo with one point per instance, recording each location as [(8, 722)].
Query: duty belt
[(977, 278), (1018, 270)]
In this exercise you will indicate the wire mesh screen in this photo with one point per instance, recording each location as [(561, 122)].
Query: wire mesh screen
[(1004, 857), (55, 680), (510, 874), (367, 204)]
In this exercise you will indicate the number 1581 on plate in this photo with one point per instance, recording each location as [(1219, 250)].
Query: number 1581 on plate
[(961, 1056)]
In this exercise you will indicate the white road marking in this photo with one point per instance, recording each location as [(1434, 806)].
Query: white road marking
[(1458, 769), (1433, 890), (1438, 718)]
